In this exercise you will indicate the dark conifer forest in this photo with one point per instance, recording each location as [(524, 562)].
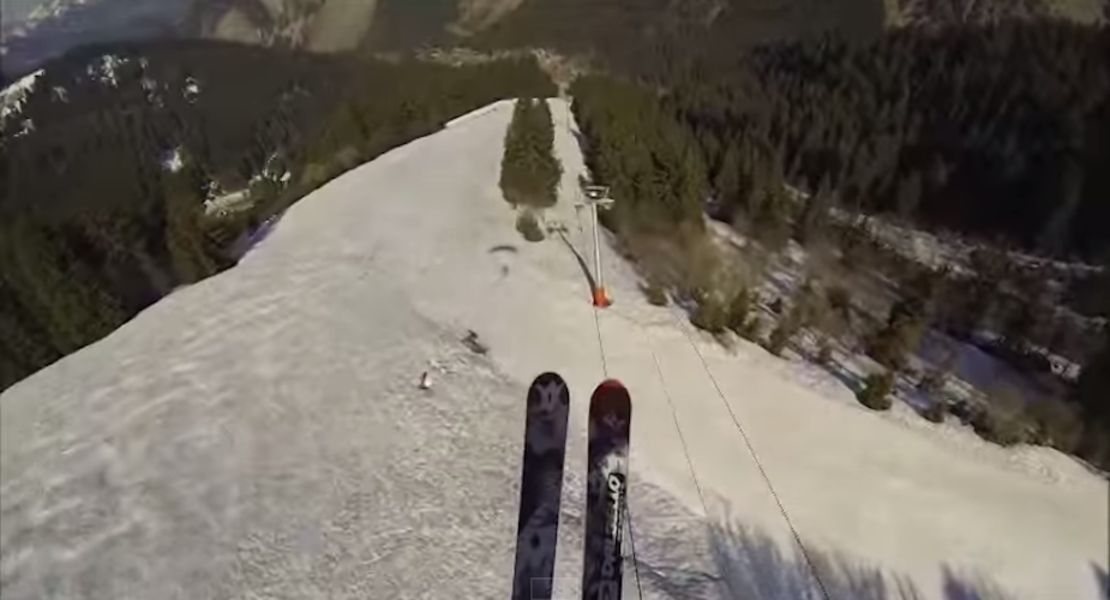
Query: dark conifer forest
[(95, 226), (1000, 134), (1000, 131), (529, 170)]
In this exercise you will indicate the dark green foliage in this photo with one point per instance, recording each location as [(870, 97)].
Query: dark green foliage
[(904, 328), (529, 170), (909, 195), (995, 130), (190, 256), (711, 314), (528, 227), (652, 165), (752, 329), (1057, 422), (935, 378), (738, 310), (1027, 322), (1092, 395), (1002, 420), (824, 352), (808, 309), (936, 411), (840, 301), (876, 391), (814, 219), (780, 336), (655, 173), (933, 381), (93, 228), (655, 293)]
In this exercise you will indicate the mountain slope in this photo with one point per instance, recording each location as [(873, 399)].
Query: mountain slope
[(261, 433), (943, 13), (118, 163)]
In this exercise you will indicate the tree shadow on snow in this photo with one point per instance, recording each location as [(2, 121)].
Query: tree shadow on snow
[(581, 262), (251, 238), (843, 374), (752, 566), (1102, 577), (680, 555)]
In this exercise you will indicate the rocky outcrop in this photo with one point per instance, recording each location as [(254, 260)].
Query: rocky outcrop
[(340, 24), (476, 15)]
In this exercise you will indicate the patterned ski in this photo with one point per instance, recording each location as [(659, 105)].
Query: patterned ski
[(541, 484), (606, 486)]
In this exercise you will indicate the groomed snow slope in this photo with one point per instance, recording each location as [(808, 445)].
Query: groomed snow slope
[(260, 434)]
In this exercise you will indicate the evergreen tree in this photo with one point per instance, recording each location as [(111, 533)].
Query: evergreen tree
[(909, 195), (1092, 394), (815, 215), (905, 325), (529, 170), (876, 391)]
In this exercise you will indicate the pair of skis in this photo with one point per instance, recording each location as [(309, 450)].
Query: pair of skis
[(541, 489)]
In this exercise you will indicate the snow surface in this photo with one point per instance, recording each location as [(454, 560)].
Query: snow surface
[(261, 434)]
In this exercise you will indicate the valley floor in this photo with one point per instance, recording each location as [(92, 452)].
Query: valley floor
[(261, 433)]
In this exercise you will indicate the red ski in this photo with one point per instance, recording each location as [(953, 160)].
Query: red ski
[(606, 486)]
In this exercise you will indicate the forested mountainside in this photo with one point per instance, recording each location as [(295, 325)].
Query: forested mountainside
[(944, 13), (656, 160), (625, 30), (619, 30), (664, 37), (1001, 131), (109, 159)]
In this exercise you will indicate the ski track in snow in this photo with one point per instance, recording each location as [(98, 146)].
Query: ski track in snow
[(261, 434)]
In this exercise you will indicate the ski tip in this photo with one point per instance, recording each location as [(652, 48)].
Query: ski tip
[(611, 395), (611, 385), (545, 378)]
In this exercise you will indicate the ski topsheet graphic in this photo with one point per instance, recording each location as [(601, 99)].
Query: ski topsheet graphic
[(541, 483), (606, 485)]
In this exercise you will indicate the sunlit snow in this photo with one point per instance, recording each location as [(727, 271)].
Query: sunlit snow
[(263, 433)]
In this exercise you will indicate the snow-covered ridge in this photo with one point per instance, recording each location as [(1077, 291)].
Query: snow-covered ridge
[(46, 12), (103, 70), (14, 97)]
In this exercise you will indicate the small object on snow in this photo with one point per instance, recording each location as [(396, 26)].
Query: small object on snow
[(471, 342), (425, 381)]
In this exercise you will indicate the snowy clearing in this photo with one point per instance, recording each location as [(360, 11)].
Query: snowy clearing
[(262, 434)]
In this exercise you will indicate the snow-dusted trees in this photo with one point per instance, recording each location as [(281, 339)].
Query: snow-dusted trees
[(95, 227)]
